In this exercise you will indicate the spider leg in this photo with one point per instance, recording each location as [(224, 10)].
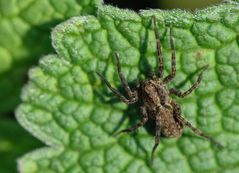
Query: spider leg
[(137, 125), (123, 80), (197, 131), (117, 93), (193, 87), (172, 75), (182, 120), (157, 140), (158, 47)]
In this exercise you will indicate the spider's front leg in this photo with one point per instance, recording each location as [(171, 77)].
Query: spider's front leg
[(158, 47), (160, 56), (173, 60)]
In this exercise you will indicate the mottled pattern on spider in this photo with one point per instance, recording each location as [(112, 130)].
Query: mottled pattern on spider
[(156, 101)]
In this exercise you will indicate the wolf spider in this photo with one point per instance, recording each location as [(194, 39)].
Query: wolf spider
[(155, 98)]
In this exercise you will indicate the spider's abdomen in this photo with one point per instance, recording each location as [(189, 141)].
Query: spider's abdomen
[(169, 126)]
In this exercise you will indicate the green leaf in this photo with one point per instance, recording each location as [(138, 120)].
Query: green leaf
[(14, 142), (66, 105), (25, 27)]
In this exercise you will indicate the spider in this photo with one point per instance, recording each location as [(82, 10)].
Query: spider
[(155, 99)]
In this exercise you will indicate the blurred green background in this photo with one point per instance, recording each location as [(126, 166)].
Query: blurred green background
[(162, 4), (14, 140)]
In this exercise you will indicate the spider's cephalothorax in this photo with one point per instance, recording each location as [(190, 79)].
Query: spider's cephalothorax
[(156, 101)]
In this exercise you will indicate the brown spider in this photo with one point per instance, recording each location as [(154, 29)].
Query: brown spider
[(156, 101)]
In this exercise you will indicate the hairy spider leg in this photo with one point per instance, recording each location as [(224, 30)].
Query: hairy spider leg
[(197, 131), (158, 48), (137, 125), (157, 140), (173, 60), (193, 87), (177, 115), (117, 93), (123, 80)]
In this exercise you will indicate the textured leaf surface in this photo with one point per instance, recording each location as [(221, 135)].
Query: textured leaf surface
[(14, 142), (67, 107), (24, 31)]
